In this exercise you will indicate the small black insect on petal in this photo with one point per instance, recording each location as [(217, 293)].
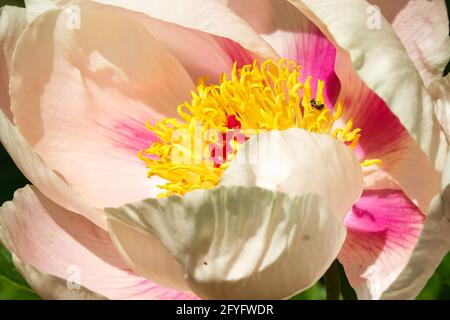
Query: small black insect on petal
[(317, 106)]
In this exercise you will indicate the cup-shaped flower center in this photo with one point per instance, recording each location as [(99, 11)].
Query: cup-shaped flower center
[(193, 151)]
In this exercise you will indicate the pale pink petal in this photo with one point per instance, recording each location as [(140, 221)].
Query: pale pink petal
[(201, 54), (294, 37), (36, 170), (432, 247), (384, 137), (12, 23), (382, 231), (198, 39), (60, 243), (81, 99), (210, 16), (423, 28)]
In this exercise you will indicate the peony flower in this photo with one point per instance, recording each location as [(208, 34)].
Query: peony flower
[(347, 122)]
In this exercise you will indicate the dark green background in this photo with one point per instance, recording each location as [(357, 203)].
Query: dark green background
[(13, 286)]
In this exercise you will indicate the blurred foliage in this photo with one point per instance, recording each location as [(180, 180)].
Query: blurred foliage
[(13, 286), (316, 292), (438, 287), (19, 3), (7, 269), (12, 291)]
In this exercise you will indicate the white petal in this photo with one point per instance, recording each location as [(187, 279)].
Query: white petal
[(422, 26), (383, 67), (37, 7), (231, 242), (440, 91), (296, 161)]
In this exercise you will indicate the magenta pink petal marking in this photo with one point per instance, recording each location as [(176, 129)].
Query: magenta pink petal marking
[(382, 230), (382, 132), (236, 52), (131, 135), (317, 55)]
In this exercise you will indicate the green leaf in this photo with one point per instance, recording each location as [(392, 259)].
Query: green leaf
[(13, 291), (316, 292), (333, 282), (12, 284), (438, 287), (347, 291), (7, 269), (319, 292)]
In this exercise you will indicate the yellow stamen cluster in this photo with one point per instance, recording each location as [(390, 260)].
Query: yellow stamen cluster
[(259, 97)]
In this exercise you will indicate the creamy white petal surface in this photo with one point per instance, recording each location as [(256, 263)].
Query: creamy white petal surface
[(296, 161), (230, 242), (423, 28), (440, 91)]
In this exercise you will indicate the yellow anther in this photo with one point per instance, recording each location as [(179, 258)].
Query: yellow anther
[(267, 96), (371, 162)]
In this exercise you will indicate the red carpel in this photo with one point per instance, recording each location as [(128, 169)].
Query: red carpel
[(220, 151)]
